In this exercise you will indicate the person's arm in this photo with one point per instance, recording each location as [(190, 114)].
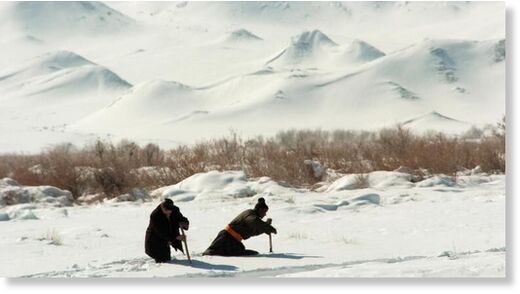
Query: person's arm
[(178, 220), (262, 226), (183, 221)]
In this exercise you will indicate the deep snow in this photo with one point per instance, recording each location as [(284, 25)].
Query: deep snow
[(393, 228)]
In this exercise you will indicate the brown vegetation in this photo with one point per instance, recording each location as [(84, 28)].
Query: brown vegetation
[(116, 169)]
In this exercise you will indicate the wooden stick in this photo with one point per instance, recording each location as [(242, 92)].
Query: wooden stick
[(270, 243), (186, 245)]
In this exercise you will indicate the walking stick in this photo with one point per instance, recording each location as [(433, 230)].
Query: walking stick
[(270, 221), (186, 245)]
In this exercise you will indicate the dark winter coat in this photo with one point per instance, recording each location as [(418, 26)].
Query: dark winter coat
[(247, 224), (161, 231)]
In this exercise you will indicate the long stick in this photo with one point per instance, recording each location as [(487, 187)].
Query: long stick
[(186, 245), (270, 243)]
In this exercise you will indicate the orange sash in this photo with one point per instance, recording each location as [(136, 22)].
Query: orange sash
[(233, 233)]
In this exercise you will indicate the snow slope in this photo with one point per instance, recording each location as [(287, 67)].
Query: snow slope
[(53, 20), (435, 76), (61, 71), (315, 49), (239, 36), (436, 121), (394, 228), (40, 97), (362, 65)]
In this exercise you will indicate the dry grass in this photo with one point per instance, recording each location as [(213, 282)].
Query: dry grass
[(112, 170), (362, 181)]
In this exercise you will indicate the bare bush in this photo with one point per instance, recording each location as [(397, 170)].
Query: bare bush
[(362, 181), (103, 168)]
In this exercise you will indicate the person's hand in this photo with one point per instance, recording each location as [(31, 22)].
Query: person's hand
[(269, 221), (185, 225), (181, 238), (275, 231)]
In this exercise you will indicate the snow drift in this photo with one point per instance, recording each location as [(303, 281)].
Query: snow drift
[(12, 193), (216, 186)]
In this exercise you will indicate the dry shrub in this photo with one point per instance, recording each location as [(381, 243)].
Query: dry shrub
[(107, 169), (362, 181)]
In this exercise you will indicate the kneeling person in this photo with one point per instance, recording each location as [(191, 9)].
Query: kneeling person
[(163, 231), (247, 224)]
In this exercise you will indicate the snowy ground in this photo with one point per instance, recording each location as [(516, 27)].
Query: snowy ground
[(394, 228)]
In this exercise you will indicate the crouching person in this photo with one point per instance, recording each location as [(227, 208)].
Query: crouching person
[(247, 224), (163, 231)]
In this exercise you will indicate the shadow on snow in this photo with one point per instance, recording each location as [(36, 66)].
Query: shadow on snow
[(204, 265), (285, 255)]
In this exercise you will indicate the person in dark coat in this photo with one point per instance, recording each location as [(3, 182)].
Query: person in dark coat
[(247, 224), (163, 231)]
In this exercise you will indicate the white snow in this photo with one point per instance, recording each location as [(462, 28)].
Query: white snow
[(382, 231), (438, 122), (174, 73), (438, 180), (12, 193), (377, 180), (239, 37), (57, 20), (214, 186), (197, 70)]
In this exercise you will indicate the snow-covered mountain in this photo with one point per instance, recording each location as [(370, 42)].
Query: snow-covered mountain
[(315, 49), (201, 69), (305, 48), (48, 92), (435, 76), (145, 104), (436, 121), (61, 72), (240, 36), (58, 20)]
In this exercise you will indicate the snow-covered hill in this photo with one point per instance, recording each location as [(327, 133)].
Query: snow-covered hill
[(146, 104), (239, 36), (436, 121), (58, 20), (60, 73), (42, 96), (277, 65), (314, 49), (448, 77)]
